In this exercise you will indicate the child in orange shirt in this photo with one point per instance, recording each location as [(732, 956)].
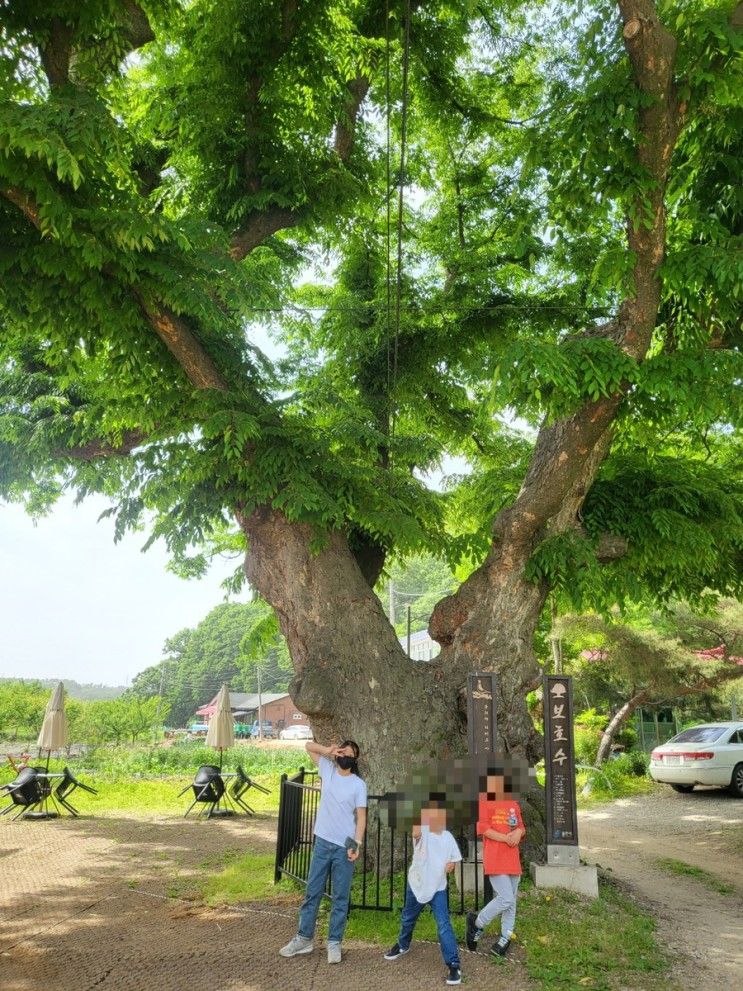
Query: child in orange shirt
[(500, 824)]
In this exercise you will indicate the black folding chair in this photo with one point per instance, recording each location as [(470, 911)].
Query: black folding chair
[(208, 789), (8, 788), (240, 785), (66, 787), (26, 792)]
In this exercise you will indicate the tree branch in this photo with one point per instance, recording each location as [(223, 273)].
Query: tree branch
[(610, 547), (103, 449), (652, 54), (56, 54), (345, 129), (567, 452), (138, 29), (172, 330), (183, 344), (262, 224), (731, 673), (259, 226), (24, 203)]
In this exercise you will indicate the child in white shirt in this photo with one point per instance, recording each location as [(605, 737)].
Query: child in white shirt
[(435, 854)]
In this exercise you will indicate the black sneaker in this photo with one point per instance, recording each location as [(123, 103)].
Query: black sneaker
[(473, 931), (394, 952), (500, 948), (455, 976)]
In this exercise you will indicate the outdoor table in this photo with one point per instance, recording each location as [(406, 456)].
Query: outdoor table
[(30, 793), (210, 789), (45, 783), (221, 809), (36, 786)]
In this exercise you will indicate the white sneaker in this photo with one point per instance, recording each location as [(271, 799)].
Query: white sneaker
[(334, 952), (299, 944)]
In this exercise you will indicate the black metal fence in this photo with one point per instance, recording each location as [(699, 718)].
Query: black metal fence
[(383, 866)]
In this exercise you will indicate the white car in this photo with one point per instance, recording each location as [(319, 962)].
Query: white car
[(296, 732), (711, 754)]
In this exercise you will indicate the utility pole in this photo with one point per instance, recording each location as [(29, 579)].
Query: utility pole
[(159, 700), (260, 706), (408, 631), (392, 603)]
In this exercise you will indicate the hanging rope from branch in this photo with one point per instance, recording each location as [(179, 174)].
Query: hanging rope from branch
[(401, 200), (388, 186)]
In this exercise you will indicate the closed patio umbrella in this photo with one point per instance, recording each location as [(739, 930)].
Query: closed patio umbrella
[(53, 734), (221, 732)]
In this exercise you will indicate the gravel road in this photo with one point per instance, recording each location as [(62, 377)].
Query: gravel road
[(701, 928)]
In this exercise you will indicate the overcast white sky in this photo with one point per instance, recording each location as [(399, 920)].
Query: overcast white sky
[(75, 605)]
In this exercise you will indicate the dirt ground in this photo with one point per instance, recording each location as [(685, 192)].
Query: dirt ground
[(702, 929), (84, 905), (87, 904)]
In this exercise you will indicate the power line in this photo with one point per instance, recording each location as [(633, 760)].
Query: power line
[(430, 311), (427, 591)]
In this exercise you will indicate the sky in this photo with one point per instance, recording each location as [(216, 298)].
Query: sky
[(75, 605)]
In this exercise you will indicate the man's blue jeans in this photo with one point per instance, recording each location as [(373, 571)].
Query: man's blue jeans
[(327, 858), (440, 909)]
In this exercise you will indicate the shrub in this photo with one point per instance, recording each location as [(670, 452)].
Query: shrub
[(634, 763), (586, 744), (117, 762)]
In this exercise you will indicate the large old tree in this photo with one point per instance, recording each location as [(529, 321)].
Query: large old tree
[(502, 231)]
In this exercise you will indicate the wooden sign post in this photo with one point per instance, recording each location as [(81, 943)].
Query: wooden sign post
[(481, 720), (481, 737), (559, 763), (563, 868)]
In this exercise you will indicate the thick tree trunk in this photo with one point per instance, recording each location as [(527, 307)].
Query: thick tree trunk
[(353, 679)]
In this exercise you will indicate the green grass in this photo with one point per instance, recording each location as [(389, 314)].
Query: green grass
[(158, 796), (733, 836), (620, 786), (604, 944), (247, 878), (616, 779), (698, 873), (161, 796), (568, 942), (142, 761)]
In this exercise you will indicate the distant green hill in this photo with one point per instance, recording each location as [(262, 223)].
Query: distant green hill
[(86, 692)]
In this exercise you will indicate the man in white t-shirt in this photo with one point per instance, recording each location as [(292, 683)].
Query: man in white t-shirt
[(435, 854), (340, 824)]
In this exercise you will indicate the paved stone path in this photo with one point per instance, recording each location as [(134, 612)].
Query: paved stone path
[(84, 906)]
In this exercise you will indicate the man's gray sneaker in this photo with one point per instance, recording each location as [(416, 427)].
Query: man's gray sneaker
[(300, 944), (334, 952)]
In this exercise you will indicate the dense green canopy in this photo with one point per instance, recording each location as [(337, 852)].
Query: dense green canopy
[(179, 178)]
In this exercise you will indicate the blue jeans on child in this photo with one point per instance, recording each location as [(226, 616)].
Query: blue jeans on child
[(327, 858), (440, 909)]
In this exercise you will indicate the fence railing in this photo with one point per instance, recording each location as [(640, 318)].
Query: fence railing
[(383, 866)]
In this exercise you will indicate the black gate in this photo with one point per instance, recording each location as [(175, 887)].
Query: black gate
[(385, 853)]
